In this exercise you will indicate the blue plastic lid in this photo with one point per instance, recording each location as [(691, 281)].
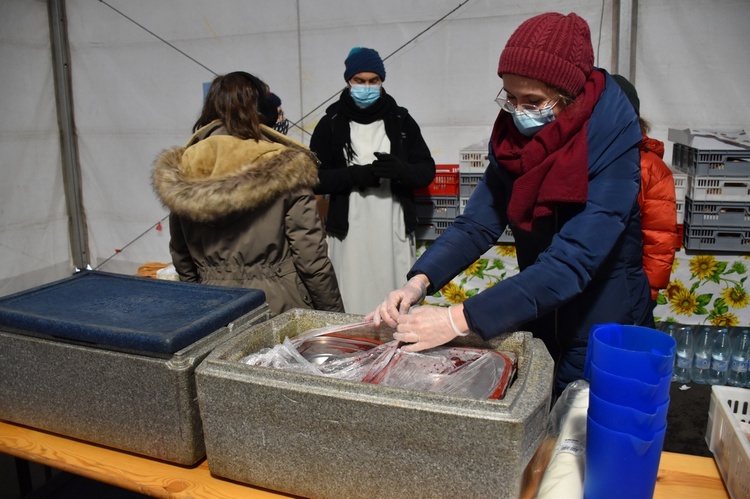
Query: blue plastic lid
[(128, 313)]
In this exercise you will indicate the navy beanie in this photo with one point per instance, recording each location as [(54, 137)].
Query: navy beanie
[(363, 60), (273, 99)]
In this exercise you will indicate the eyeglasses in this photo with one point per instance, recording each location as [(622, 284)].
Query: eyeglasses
[(530, 110)]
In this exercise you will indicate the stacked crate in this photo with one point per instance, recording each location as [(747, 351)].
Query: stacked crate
[(437, 205), (680, 190), (474, 161), (717, 201)]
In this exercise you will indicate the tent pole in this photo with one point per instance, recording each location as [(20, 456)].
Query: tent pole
[(615, 61), (633, 38), (68, 139)]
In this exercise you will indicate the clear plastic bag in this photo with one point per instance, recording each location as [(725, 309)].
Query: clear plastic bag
[(563, 478), (330, 351)]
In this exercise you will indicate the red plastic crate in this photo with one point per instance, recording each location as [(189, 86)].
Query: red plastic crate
[(445, 182)]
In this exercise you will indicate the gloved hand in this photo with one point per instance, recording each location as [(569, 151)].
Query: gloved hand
[(362, 176), (389, 166), (426, 327), (399, 301)]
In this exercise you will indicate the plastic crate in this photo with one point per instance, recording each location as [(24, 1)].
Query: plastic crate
[(717, 214), (462, 204), (474, 158), (468, 182), (727, 441), (680, 183), (436, 207), (680, 211), (712, 162), (507, 237), (445, 182), (431, 231), (716, 239), (705, 188)]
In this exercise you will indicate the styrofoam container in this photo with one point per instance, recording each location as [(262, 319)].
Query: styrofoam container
[(320, 437), (727, 441), (110, 359)]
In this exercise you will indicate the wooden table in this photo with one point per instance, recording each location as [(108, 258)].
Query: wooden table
[(680, 475)]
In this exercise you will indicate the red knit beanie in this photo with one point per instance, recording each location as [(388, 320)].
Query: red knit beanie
[(551, 48)]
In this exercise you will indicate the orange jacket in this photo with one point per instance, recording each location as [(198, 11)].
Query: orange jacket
[(658, 215)]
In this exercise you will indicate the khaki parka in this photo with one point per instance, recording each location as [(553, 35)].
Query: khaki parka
[(243, 214)]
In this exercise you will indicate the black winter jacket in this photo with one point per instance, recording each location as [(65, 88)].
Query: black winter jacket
[(406, 143)]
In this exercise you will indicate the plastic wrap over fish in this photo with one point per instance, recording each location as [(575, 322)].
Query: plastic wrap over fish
[(341, 353)]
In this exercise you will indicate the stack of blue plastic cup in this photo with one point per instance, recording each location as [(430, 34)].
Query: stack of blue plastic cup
[(630, 370)]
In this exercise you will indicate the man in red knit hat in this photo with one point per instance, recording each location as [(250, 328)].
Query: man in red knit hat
[(564, 176)]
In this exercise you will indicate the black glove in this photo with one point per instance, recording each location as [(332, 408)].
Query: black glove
[(389, 166), (362, 176)]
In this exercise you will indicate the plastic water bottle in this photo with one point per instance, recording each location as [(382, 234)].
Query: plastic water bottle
[(671, 329), (740, 354), (721, 354), (683, 354), (702, 359)]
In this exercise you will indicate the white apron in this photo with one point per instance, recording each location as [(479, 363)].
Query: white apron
[(376, 254)]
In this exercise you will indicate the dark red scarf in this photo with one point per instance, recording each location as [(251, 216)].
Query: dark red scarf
[(552, 166)]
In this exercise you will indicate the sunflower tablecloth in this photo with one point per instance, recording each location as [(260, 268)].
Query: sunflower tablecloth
[(704, 288)]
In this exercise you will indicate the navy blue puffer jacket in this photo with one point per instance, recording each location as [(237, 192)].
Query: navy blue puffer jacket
[(579, 267)]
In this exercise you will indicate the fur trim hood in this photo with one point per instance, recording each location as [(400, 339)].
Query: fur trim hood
[(223, 175)]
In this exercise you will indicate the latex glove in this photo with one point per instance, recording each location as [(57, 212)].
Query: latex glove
[(399, 301), (362, 176), (389, 166), (426, 327)]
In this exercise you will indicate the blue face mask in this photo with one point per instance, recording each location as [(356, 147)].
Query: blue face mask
[(528, 125), (364, 95)]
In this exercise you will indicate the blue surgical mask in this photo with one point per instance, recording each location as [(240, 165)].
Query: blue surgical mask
[(364, 95), (528, 125)]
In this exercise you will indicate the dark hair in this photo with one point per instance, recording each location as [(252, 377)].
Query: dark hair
[(236, 99)]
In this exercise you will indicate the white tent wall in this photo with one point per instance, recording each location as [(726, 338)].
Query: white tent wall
[(135, 95), (693, 64), (34, 243)]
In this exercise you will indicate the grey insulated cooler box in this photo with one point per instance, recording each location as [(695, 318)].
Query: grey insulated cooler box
[(111, 359), (321, 437)]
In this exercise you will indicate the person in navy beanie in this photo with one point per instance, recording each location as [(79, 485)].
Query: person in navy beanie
[(372, 158), (564, 176)]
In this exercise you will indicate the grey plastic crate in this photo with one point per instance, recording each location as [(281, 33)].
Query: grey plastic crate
[(320, 437), (467, 183), (431, 230), (436, 207), (712, 162), (136, 402), (716, 239), (717, 214)]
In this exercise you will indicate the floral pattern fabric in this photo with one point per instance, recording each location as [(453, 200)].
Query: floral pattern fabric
[(704, 288)]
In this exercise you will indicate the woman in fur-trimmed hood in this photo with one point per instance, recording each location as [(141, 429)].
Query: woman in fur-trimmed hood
[(243, 213)]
